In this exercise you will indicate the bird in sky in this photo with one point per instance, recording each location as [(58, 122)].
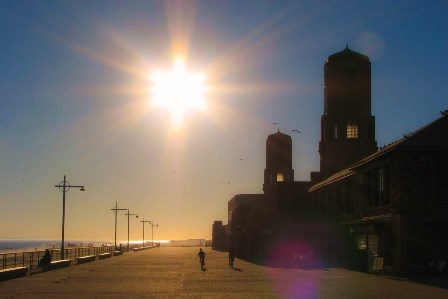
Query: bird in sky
[(296, 131)]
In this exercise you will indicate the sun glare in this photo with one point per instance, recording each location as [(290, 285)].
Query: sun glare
[(178, 91)]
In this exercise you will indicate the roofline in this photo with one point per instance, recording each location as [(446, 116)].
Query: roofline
[(329, 181), (396, 145)]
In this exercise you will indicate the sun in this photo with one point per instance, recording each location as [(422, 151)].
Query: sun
[(178, 91)]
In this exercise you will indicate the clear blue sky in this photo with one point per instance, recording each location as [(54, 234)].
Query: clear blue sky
[(74, 93)]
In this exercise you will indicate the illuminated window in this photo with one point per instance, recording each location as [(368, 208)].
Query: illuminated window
[(280, 177), (352, 130), (335, 131)]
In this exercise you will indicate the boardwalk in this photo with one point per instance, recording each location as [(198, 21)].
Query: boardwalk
[(175, 272)]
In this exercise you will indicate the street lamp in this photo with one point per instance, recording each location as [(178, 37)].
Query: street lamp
[(116, 209), (143, 222), (129, 214), (64, 186), (152, 233)]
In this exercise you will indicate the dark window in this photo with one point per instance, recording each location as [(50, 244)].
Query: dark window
[(332, 202), (339, 202), (323, 203), (369, 189), (377, 187), (382, 186), (349, 206)]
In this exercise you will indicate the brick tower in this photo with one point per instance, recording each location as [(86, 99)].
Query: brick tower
[(347, 125)]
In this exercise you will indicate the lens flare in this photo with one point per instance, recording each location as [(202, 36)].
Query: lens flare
[(178, 91)]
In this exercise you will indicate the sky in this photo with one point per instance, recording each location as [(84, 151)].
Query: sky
[(75, 94)]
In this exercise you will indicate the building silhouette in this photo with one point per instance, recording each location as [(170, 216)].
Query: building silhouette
[(278, 160), (347, 125), (367, 209)]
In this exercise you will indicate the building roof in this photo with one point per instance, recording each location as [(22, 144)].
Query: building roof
[(429, 137), (279, 134), (347, 53), (246, 199), (345, 173)]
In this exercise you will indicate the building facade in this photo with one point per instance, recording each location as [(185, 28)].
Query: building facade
[(366, 209), (390, 206)]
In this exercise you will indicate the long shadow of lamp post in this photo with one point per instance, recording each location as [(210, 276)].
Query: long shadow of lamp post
[(152, 232), (116, 209), (129, 214), (143, 222), (64, 186)]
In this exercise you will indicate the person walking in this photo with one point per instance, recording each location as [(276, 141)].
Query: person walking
[(201, 255), (231, 256)]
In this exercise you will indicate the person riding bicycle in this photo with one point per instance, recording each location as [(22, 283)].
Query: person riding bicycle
[(201, 255)]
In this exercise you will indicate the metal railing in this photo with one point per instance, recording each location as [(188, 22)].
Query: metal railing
[(31, 259)]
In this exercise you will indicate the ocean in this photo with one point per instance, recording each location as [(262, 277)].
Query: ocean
[(19, 245)]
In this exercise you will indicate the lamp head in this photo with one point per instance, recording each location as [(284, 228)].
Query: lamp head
[(82, 189), (136, 216)]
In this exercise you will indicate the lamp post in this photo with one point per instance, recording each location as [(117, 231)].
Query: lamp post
[(152, 233), (129, 214), (64, 186), (143, 222), (116, 209)]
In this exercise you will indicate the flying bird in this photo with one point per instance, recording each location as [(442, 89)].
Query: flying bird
[(275, 123), (296, 131)]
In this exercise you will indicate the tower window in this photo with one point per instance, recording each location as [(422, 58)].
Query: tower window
[(335, 131), (352, 130), (280, 177)]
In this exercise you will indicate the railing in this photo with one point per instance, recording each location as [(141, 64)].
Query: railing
[(31, 259)]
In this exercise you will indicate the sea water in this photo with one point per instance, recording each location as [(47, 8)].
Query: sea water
[(23, 245), (19, 245)]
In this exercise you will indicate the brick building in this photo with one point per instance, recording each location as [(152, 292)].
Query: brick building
[(366, 209), (391, 205)]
